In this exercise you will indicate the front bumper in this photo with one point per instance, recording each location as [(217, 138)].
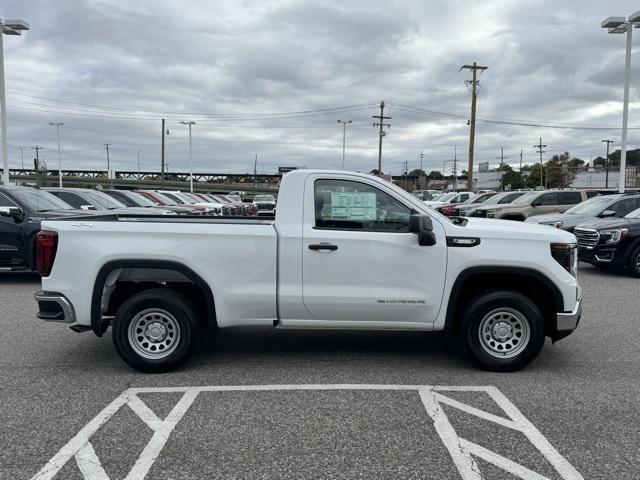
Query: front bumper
[(567, 322), (54, 307)]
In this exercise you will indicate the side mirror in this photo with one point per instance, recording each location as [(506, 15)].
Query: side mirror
[(536, 203), (423, 227), (87, 207), (14, 212), (607, 213)]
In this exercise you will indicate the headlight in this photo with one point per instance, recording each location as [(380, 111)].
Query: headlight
[(613, 236), (566, 254)]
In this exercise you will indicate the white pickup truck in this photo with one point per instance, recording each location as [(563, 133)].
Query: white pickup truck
[(344, 251)]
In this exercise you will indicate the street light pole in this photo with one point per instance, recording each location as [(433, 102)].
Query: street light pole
[(344, 135), (190, 123), (58, 125), (619, 25)]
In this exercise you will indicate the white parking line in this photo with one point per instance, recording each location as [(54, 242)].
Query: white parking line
[(461, 450)]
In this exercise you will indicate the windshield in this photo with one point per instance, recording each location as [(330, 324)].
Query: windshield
[(446, 197), (480, 198), (634, 214), (504, 197), (526, 198), (103, 200), (39, 200), (264, 198), (593, 206), (173, 199), (136, 199), (235, 198)]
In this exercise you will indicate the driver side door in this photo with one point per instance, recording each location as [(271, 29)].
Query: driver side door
[(360, 262)]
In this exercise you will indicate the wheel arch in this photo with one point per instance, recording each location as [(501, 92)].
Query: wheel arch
[(99, 326), (532, 283)]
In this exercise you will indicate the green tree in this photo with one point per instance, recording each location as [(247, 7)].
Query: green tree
[(417, 172), (558, 172), (435, 175), (511, 178)]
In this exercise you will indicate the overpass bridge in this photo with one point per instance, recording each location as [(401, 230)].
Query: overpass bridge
[(125, 179), (202, 182)]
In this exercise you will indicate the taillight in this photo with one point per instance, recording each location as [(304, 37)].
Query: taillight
[(46, 246)]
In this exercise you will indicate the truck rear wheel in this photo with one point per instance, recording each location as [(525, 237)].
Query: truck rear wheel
[(155, 330), (634, 262), (502, 331)]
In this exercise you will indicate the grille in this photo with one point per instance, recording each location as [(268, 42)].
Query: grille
[(265, 206), (480, 213), (587, 238)]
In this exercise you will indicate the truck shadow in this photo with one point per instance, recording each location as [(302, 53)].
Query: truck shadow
[(21, 277), (345, 343)]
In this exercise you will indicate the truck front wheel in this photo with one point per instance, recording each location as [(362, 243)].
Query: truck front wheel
[(634, 262), (155, 330), (502, 331)]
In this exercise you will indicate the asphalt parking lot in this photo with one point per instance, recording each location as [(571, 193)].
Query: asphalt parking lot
[(322, 404)]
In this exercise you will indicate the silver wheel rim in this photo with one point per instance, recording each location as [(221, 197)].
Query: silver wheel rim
[(504, 333), (154, 333)]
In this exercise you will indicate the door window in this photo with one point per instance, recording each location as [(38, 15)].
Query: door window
[(569, 198), (5, 202), (349, 205), (548, 199), (71, 198), (623, 207)]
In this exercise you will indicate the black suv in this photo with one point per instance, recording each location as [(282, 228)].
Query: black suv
[(602, 206), (21, 211), (611, 242)]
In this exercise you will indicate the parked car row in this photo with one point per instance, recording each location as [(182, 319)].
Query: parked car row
[(606, 224), (22, 209)]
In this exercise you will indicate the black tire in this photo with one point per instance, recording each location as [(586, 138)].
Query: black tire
[(164, 334), (507, 312), (634, 263)]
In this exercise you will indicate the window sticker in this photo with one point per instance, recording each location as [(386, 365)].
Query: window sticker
[(359, 206)]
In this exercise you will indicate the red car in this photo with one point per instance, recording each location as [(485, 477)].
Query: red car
[(165, 202), (450, 209)]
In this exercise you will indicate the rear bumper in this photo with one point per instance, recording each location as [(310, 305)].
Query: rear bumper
[(54, 307), (567, 322)]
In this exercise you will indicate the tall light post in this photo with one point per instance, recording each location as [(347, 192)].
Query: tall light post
[(58, 125), (344, 136), (139, 164), (7, 27), (190, 123), (620, 25)]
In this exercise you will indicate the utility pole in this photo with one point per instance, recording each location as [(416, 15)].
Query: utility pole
[(520, 170), (381, 134), (58, 125), (255, 172), (106, 147), (344, 137), (139, 165), (21, 157), (162, 155), (606, 164), (421, 158), (502, 158), (37, 163), (472, 125), (540, 147), (455, 167), (190, 124)]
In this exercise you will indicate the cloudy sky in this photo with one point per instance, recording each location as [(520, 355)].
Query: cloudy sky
[(273, 77)]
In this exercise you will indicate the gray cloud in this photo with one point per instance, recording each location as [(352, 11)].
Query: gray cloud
[(548, 63)]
